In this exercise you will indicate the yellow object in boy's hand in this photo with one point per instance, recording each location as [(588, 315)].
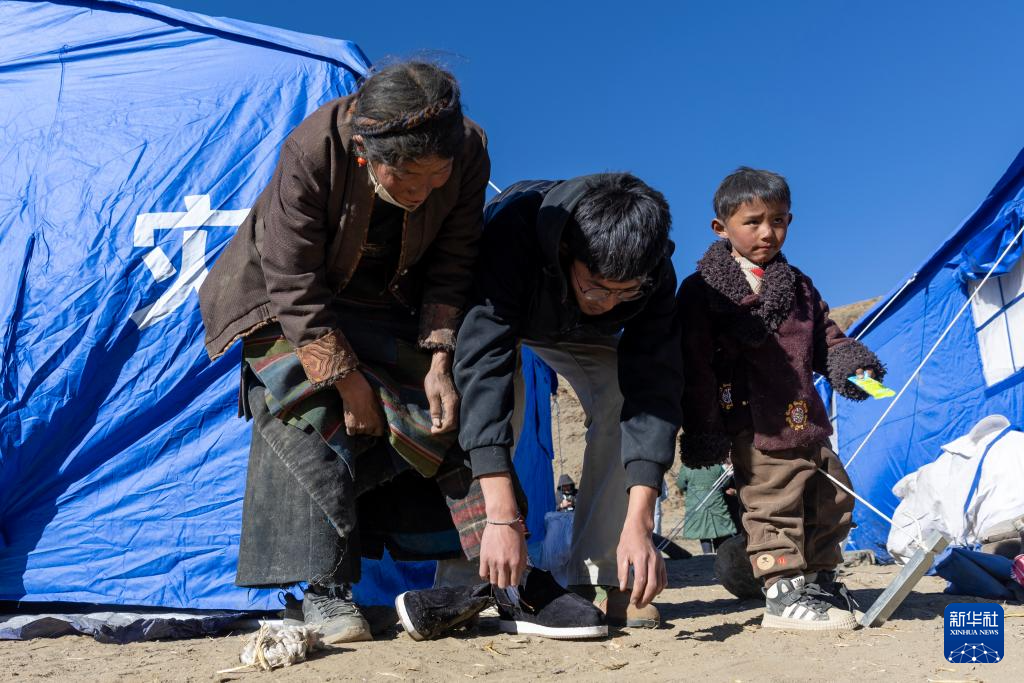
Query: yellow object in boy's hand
[(872, 386)]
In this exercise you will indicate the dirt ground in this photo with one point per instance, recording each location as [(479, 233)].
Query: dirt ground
[(707, 635)]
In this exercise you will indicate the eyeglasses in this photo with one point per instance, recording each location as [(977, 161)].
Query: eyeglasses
[(599, 294)]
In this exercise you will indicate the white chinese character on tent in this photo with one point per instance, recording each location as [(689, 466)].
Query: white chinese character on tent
[(193, 269)]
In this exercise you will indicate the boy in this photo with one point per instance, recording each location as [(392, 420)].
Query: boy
[(754, 331), (580, 271)]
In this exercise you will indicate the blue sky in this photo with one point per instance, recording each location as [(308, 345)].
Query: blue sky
[(891, 120)]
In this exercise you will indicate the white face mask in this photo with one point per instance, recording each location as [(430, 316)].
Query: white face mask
[(385, 195)]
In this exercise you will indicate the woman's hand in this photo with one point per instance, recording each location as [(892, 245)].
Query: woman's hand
[(362, 409), (441, 394)]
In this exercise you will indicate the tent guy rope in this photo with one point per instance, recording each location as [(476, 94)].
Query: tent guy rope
[(935, 346)]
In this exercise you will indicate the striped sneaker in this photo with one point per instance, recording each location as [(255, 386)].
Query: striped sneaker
[(838, 594), (795, 605)]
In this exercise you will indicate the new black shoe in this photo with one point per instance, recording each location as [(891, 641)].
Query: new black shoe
[(541, 607), (431, 613), (335, 614), (795, 605)]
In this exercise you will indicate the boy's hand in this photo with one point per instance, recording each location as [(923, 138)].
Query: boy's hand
[(869, 373), (636, 549), (442, 397)]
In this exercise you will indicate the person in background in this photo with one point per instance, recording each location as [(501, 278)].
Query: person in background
[(662, 497), (566, 494), (705, 513)]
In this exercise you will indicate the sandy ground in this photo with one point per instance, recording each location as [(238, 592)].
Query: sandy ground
[(707, 635)]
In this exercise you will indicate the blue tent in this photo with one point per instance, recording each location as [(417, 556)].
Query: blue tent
[(133, 140), (974, 371)]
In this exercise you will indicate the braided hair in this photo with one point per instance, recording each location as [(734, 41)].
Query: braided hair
[(409, 111)]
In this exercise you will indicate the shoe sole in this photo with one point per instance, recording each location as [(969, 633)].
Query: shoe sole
[(527, 628), (352, 635), (403, 616), (634, 623), (771, 621)]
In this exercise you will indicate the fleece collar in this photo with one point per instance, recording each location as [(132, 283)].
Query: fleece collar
[(751, 317)]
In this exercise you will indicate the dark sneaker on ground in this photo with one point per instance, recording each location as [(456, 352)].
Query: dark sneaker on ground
[(795, 605), (541, 607), (431, 613), (617, 608), (838, 595), (334, 613)]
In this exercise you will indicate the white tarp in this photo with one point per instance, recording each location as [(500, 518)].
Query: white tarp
[(977, 483)]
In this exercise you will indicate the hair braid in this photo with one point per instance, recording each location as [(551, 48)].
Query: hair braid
[(364, 125), (408, 111)]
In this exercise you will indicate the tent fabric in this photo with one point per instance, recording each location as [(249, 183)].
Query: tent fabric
[(980, 255), (125, 626), (534, 451), (135, 138), (952, 392), (963, 493)]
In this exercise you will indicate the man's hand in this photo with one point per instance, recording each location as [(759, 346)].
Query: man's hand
[(503, 555), (441, 394), (503, 547), (636, 549), (363, 412)]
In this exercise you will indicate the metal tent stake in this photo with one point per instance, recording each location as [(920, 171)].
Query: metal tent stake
[(905, 581)]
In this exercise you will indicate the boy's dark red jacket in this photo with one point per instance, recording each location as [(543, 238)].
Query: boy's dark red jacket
[(750, 358)]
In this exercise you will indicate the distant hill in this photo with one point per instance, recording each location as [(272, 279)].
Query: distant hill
[(850, 313)]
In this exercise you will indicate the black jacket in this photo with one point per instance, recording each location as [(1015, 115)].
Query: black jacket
[(524, 294)]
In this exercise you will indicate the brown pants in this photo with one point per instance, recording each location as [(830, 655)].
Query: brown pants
[(795, 517)]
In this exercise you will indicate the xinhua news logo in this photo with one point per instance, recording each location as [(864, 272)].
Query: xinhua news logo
[(974, 633)]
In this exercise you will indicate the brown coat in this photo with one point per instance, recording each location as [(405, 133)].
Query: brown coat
[(749, 359), (302, 241)]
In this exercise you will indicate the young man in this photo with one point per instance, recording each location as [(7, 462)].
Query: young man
[(755, 332), (579, 271)]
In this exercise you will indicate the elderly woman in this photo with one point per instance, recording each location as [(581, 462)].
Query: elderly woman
[(346, 283)]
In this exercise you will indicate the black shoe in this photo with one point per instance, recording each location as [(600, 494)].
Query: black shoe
[(292, 612), (334, 613), (836, 592), (431, 613), (541, 607)]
